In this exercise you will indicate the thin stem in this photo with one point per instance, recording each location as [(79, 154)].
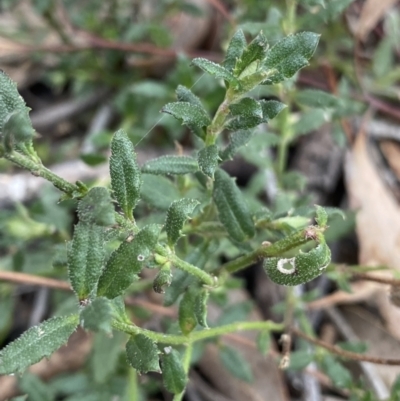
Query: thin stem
[(270, 250), (346, 354), (197, 335), (39, 170)]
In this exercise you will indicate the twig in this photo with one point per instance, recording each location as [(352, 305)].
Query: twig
[(383, 280), (346, 354), (30, 279)]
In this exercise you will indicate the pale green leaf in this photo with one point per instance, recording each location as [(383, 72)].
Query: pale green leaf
[(97, 315), (125, 173), (208, 160), (247, 114), (235, 50), (36, 343), (235, 363), (158, 191), (236, 141), (187, 316), (171, 165), (174, 376), (216, 70)]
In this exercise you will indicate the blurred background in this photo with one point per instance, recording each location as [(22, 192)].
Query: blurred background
[(87, 68)]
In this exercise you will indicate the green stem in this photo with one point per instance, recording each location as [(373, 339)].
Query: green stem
[(171, 339), (39, 170), (270, 250)]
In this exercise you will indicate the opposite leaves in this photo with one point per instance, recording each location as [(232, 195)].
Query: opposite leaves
[(125, 173), (36, 343)]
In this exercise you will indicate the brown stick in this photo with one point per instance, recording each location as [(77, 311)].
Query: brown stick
[(30, 279), (346, 354), (382, 280)]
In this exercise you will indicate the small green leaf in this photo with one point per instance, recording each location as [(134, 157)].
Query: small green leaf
[(310, 121), (97, 316), (162, 280), (247, 114), (289, 55), (237, 140), (340, 376), (177, 214), (187, 315), (174, 376), (186, 95), (232, 209), (208, 160), (174, 165), (17, 129), (181, 280), (97, 208), (301, 268), (235, 363), (322, 216), (216, 70), (300, 359), (158, 191), (192, 115), (254, 52), (126, 262), (316, 98), (86, 259), (264, 342), (125, 173), (235, 50), (271, 108), (142, 354), (200, 307), (36, 343)]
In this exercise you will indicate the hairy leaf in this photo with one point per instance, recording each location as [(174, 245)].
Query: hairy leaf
[(187, 315), (86, 258), (208, 160), (216, 70), (125, 173), (97, 208), (127, 261), (271, 108), (36, 343), (235, 50), (174, 165), (237, 140), (174, 376), (289, 55), (162, 280), (247, 114), (142, 354), (177, 214), (200, 307), (232, 208), (299, 269), (97, 316), (186, 95)]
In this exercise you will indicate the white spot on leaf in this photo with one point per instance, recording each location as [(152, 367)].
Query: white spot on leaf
[(281, 265)]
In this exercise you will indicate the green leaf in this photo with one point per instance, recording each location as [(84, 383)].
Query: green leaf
[(125, 173), (186, 95), (17, 129), (86, 259), (216, 70), (174, 165), (177, 214), (174, 376), (36, 343), (97, 208), (271, 108), (316, 98), (158, 191), (142, 354), (254, 52), (300, 359), (237, 140), (247, 114), (192, 115), (289, 55), (321, 216), (301, 268), (208, 160), (339, 375), (162, 280), (187, 315), (105, 356), (232, 209), (200, 306), (35, 388), (264, 342), (235, 363), (126, 262), (310, 121), (98, 315), (235, 50)]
